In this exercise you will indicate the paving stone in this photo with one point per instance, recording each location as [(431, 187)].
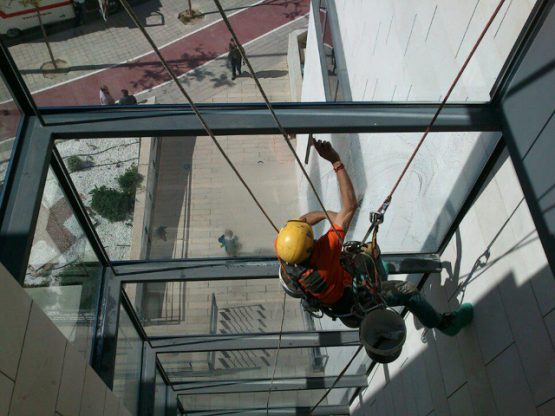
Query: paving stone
[(6, 389), (514, 397), (16, 306), (71, 385), (531, 338), (40, 367)]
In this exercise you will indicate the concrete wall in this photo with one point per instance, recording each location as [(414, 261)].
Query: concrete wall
[(40, 372), (411, 50), (504, 363), (403, 51), (528, 107)]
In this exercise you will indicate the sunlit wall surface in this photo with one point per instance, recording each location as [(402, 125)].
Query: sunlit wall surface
[(411, 50), (63, 274), (9, 120), (427, 200)]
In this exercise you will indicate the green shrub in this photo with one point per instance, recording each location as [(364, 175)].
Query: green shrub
[(112, 204), (130, 180), (75, 163), (77, 273)]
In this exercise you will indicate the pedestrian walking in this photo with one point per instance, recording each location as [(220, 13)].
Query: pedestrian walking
[(127, 99), (235, 58), (105, 97)]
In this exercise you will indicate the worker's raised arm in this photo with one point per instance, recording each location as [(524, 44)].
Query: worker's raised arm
[(348, 199), (314, 217)]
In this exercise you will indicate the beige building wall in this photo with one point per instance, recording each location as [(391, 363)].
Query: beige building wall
[(41, 373), (504, 362)]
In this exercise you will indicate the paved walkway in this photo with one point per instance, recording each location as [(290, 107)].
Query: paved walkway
[(184, 55), (100, 45), (212, 82), (198, 197)]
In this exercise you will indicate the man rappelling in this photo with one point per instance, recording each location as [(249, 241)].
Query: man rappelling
[(315, 269)]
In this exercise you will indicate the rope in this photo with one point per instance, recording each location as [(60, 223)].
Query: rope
[(135, 20), (339, 376), (442, 105), (273, 113), (277, 353)]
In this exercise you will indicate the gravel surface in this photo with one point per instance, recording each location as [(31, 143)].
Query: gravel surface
[(110, 158)]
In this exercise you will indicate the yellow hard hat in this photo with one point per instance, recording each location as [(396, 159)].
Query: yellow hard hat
[(294, 242)]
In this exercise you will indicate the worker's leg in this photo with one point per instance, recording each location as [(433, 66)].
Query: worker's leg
[(344, 307), (398, 293)]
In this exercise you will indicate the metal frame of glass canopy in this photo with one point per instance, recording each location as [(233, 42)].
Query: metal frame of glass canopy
[(34, 153)]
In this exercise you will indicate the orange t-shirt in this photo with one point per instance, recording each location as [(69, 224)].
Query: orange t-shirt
[(325, 259)]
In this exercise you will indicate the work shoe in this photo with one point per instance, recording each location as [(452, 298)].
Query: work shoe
[(453, 322)]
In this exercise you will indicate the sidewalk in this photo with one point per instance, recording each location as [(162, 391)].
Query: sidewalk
[(212, 82), (198, 197), (99, 45), (184, 55)]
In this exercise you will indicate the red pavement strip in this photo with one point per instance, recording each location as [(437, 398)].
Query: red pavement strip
[(183, 55)]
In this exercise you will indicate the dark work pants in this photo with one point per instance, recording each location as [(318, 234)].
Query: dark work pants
[(394, 293), (235, 67)]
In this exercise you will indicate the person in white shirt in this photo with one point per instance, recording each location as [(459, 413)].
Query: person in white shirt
[(105, 97)]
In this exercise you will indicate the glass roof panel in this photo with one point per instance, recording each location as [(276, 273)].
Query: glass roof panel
[(164, 198), (79, 52), (236, 401), (219, 307), (412, 52), (187, 202), (63, 276), (87, 52), (9, 120), (259, 364)]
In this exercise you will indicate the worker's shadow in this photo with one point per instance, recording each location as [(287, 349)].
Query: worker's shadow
[(451, 294)]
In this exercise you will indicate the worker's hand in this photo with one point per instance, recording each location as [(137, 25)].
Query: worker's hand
[(326, 151)]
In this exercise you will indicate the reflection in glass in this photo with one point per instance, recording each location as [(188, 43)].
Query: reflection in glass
[(9, 120), (127, 370), (63, 274), (301, 398), (218, 307), (258, 364)]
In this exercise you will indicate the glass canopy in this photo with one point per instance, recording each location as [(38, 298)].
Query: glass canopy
[(162, 199)]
